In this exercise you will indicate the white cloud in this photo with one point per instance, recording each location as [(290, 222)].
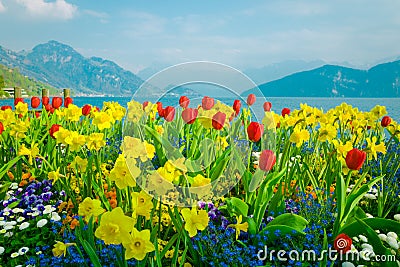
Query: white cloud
[(59, 9), (2, 7), (102, 16)]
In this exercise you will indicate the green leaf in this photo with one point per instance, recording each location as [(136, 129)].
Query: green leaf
[(367, 228), (354, 198), (289, 219), (6, 167), (238, 206), (256, 180), (92, 254), (219, 169)]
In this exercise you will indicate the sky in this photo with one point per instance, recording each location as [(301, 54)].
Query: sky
[(242, 34)]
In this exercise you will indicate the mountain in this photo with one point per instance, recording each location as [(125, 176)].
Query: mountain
[(279, 70), (149, 71), (382, 80), (61, 66)]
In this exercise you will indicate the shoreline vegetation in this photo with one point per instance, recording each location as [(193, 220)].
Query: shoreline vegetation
[(152, 184)]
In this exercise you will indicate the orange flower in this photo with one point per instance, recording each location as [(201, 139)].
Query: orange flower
[(62, 206), (10, 175), (26, 176), (113, 203), (23, 183), (74, 224)]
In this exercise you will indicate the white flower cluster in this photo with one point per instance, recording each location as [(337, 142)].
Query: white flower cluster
[(367, 252), (14, 221)]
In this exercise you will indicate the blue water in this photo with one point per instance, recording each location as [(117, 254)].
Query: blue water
[(363, 104)]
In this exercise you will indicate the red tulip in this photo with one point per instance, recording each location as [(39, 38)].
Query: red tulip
[(267, 106), (207, 103), (97, 109), (218, 120), (267, 160), (184, 101), (86, 110), (189, 115), (169, 113), (355, 159), (1, 127), (35, 102), (54, 128), (160, 109), (236, 106), (145, 104), (56, 102), (386, 121), (48, 107), (255, 131), (285, 111), (68, 100), (251, 98), (17, 100), (37, 114), (45, 100), (6, 107)]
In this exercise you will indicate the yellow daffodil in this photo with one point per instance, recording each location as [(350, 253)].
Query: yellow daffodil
[(299, 137), (342, 149), (95, 141), (200, 180), (221, 142), (142, 204), (80, 163), (19, 128), (327, 132), (7, 117), (378, 111), (21, 108), (31, 153), (373, 148), (54, 175), (270, 120), (122, 175), (150, 150), (60, 248), (159, 129), (194, 220), (239, 226), (114, 227), (75, 140), (135, 111), (72, 113), (159, 182), (115, 110), (102, 120), (136, 149), (138, 244), (89, 208), (61, 135)]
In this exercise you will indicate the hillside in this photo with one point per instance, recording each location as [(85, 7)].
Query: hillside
[(61, 66), (13, 78), (382, 80)]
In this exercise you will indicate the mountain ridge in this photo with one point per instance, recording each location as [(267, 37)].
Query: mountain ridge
[(62, 66), (382, 80)]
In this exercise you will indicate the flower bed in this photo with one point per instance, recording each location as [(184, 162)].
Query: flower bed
[(197, 186)]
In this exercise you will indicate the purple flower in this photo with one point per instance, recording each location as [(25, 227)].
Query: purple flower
[(201, 204)]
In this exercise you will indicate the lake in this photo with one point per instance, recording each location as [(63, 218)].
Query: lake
[(363, 104)]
